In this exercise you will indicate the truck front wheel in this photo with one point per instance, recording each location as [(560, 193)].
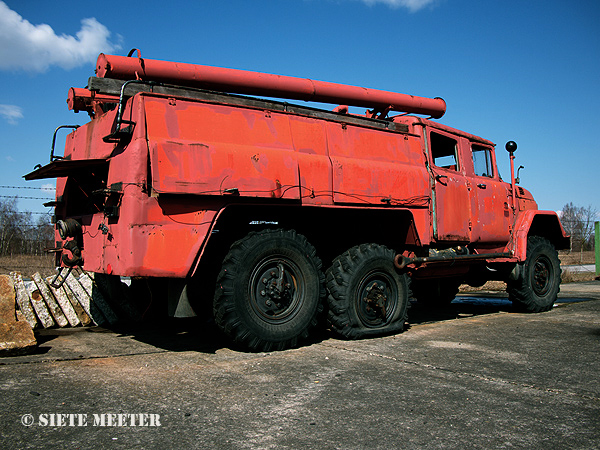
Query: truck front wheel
[(270, 290), (367, 296), (537, 286)]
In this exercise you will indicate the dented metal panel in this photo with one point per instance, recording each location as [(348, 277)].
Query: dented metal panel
[(309, 139), (371, 167), (205, 149), (452, 209)]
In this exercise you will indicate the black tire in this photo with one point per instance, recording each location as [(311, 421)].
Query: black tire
[(437, 292), (269, 291), (537, 286), (367, 296)]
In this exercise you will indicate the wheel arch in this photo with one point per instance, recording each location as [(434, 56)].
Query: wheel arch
[(331, 230), (538, 223)]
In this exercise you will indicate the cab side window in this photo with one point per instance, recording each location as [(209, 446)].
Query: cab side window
[(443, 151), (482, 161)]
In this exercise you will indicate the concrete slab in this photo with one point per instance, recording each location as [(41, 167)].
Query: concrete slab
[(474, 375)]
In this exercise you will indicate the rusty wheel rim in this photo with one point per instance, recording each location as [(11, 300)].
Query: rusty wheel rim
[(276, 290), (541, 276), (377, 299)]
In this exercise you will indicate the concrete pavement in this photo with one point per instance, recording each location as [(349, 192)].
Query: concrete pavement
[(580, 268), (473, 375)]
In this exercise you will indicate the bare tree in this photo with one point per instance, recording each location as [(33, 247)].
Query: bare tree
[(579, 223), (19, 234), (41, 235), (13, 227)]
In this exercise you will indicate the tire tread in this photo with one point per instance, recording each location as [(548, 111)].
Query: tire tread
[(339, 277), (225, 310)]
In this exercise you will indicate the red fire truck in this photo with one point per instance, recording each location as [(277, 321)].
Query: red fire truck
[(272, 212)]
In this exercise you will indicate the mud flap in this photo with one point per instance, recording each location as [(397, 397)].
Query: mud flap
[(178, 300)]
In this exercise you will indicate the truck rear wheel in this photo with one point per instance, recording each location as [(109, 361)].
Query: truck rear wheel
[(536, 289), (367, 296), (270, 290)]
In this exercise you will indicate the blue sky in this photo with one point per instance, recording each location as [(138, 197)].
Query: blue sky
[(527, 71)]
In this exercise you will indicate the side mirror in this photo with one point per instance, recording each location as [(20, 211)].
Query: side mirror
[(511, 147), (518, 178)]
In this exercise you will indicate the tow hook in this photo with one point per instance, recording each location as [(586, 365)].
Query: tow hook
[(76, 259), (70, 262), (70, 228)]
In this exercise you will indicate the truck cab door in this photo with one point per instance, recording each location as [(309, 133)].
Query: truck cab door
[(489, 198), (450, 193)]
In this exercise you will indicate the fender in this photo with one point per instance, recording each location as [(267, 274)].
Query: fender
[(539, 223), (393, 226)]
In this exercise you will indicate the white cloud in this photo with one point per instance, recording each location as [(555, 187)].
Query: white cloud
[(11, 113), (37, 47), (411, 5)]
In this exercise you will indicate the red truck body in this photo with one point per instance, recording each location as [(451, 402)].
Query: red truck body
[(168, 177)]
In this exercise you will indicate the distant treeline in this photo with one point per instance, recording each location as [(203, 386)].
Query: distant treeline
[(579, 222), (20, 234)]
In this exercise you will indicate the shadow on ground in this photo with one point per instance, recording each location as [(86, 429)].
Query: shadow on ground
[(201, 335), (461, 306)]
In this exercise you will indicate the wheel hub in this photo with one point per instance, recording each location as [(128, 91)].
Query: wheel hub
[(376, 299), (541, 276), (275, 291)]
